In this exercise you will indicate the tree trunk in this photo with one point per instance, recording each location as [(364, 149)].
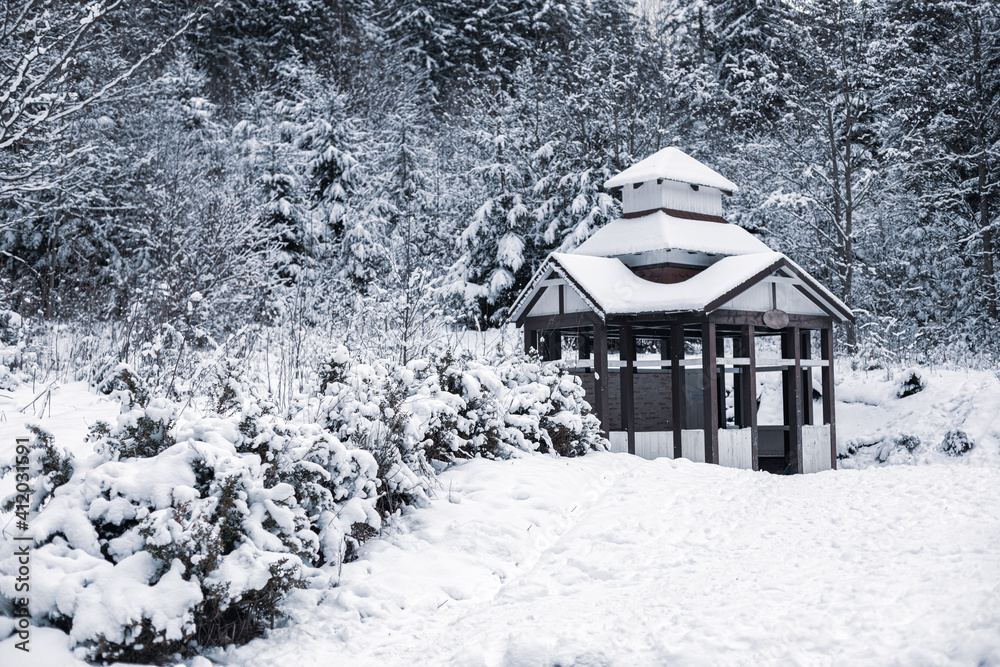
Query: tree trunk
[(989, 267), (842, 218), (982, 190), (50, 286)]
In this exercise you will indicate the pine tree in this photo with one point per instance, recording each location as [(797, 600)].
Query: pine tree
[(463, 46), (749, 40), (417, 254), (494, 243)]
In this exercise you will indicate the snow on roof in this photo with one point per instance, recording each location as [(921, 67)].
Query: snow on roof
[(660, 231), (613, 288), (671, 164)]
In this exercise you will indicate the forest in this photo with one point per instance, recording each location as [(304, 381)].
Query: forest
[(175, 173)]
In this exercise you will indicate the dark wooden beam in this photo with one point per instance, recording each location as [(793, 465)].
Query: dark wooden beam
[(735, 318), (583, 346), (687, 317), (738, 413), (553, 345), (676, 213), (748, 383), (530, 339), (626, 376), (819, 289), (745, 317), (791, 380), (826, 352), (677, 412), (817, 302), (566, 321), (807, 385), (709, 383), (720, 382), (601, 380)]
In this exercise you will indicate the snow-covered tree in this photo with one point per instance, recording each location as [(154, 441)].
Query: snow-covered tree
[(493, 244), (945, 58)]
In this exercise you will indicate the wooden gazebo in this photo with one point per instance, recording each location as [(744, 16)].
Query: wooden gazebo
[(696, 308)]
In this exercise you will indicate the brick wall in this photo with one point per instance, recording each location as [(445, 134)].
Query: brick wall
[(653, 395)]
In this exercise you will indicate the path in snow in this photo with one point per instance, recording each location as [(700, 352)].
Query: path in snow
[(611, 560)]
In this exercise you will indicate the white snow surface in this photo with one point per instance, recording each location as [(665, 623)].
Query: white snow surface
[(660, 231), (613, 560), (671, 164), (614, 289)]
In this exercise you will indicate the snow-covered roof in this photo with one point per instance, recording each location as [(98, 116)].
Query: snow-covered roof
[(671, 164), (609, 287), (612, 288), (660, 231)]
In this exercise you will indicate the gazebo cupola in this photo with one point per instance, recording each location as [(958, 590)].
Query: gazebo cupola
[(672, 181), (664, 309)]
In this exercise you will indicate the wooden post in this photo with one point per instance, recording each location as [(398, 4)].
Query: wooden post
[(807, 385), (739, 414), (826, 352), (601, 375), (748, 384), (709, 383), (530, 339), (553, 345), (583, 346), (720, 382), (626, 343), (678, 403), (791, 380)]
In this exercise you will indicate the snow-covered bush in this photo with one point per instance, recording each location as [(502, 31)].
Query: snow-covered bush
[(52, 468), (909, 383), (363, 406), (897, 450), (16, 358), (956, 443), (452, 408), (157, 365), (121, 382), (907, 442), (179, 533), (550, 404), (13, 329), (473, 420), (187, 526)]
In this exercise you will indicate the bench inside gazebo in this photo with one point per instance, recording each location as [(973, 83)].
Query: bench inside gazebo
[(696, 308)]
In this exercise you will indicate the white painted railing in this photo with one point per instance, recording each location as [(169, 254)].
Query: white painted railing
[(816, 448), (693, 445), (648, 444), (654, 444), (736, 448), (619, 441), (695, 363)]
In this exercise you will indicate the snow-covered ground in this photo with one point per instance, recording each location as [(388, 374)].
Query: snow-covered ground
[(613, 560)]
